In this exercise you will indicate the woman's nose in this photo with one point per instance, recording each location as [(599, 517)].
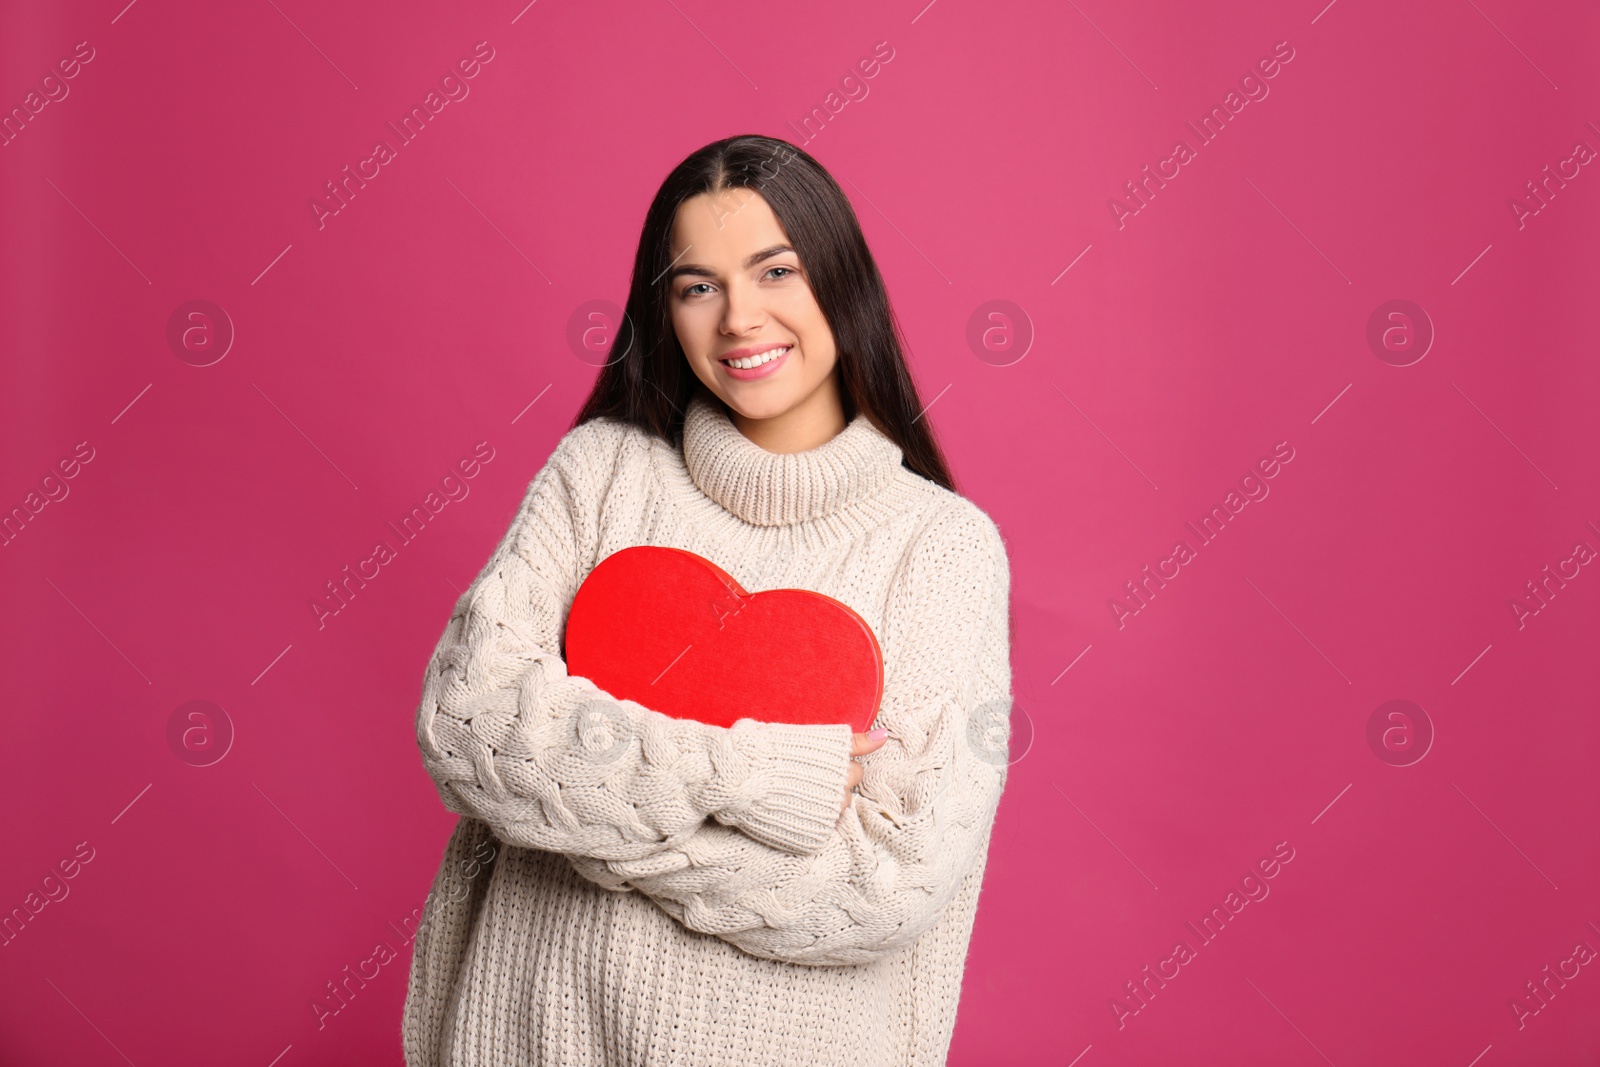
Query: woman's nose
[(743, 311)]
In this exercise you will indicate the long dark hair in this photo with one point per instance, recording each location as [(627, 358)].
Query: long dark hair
[(646, 380)]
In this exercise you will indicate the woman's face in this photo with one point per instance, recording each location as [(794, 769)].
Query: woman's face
[(737, 289)]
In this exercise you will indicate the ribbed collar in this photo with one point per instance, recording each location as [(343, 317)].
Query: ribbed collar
[(775, 489)]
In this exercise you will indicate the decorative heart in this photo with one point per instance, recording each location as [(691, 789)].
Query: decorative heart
[(673, 631)]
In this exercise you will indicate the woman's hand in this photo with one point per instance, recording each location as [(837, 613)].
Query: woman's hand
[(860, 745)]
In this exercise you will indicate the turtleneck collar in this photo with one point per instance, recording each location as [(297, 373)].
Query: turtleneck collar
[(774, 489)]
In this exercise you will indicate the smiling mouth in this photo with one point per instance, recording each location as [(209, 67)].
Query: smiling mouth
[(757, 360)]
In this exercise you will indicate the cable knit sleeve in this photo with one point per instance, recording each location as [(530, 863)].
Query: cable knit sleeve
[(551, 761), (925, 807)]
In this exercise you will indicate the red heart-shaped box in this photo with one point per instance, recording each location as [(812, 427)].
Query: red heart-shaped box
[(673, 631)]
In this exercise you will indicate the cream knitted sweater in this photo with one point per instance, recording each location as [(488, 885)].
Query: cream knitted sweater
[(625, 887)]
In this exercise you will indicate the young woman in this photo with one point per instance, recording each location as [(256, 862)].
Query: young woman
[(626, 887)]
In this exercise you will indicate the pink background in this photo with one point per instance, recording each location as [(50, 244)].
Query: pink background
[(1156, 761)]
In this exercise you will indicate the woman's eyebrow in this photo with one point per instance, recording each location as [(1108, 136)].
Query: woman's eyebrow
[(750, 261)]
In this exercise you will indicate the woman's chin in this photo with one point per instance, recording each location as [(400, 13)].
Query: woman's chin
[(763, 399), (757, 407)]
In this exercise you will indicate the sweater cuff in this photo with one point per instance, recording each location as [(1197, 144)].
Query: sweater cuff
[(794, 795)]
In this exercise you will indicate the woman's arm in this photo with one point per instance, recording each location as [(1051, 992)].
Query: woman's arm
[(926, 804), (551, 761)]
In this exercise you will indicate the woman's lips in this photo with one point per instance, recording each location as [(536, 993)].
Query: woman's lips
[(769, 367)]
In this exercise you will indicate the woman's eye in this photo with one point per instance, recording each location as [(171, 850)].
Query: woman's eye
[(689, 291)]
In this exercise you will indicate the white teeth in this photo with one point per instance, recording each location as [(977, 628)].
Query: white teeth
[(755, 361)]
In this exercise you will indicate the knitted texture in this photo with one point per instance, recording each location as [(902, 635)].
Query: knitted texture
[(625, 887)]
